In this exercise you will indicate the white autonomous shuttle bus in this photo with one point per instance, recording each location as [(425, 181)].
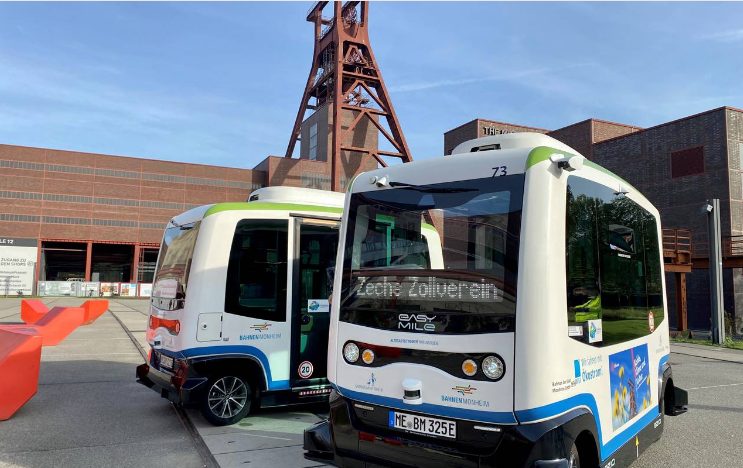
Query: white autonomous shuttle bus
[(239, 311), (239, 307), (542, 340)]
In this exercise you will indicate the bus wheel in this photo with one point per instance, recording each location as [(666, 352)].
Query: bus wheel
[(574, 460), (227, 400)]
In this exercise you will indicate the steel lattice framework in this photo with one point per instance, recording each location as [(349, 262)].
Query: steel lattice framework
[(344, 65)]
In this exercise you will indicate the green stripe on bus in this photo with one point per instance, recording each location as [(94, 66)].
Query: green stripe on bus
[(543, 153), (255, 206)]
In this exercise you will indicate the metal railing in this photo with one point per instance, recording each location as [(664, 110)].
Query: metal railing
[(732, 247), (677, 244)]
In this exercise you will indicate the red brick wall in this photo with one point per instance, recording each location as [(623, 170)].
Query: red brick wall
[(131, 196), (577, 136)]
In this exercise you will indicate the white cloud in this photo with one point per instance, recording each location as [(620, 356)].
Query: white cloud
[(731, 35), (513, 76)]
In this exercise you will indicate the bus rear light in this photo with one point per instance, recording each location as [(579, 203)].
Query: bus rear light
[(469, 367), (173, 326), (367, 356), (181, 373)]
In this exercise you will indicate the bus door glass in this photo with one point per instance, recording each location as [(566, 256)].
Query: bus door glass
[(316, 242)]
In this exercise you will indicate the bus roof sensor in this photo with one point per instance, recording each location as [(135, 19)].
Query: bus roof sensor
[(568, 162)]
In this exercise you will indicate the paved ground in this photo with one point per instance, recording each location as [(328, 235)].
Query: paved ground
[(90, 412), (711, 433)]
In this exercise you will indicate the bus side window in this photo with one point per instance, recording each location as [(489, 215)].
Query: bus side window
[(256, 273), (613, 266)]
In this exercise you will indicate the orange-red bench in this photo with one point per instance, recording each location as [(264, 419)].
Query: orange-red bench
[(94, 309), (54, 326), (33, 309), (20, 356)]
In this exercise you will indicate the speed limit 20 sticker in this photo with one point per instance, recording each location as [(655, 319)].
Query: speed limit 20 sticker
[(305, 370)]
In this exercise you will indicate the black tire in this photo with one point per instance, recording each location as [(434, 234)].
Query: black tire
[(227, 399), (574, 458)]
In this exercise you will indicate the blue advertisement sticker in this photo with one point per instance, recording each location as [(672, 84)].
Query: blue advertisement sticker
[(629, 384)]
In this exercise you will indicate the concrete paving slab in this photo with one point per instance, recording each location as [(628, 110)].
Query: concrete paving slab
[(243, 442), (711, 352), (91, 347), (86, 370), (132, 320), (138, 454), (290, 456)]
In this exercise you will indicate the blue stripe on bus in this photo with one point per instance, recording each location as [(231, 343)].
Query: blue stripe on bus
[(430, 408), (242, 350), (587, 400), (524, 416), (663, 360)]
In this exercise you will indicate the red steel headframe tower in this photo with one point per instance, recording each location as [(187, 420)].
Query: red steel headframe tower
[(344, 66)]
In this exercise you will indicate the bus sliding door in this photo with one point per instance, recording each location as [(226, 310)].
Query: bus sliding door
[(315, 245)]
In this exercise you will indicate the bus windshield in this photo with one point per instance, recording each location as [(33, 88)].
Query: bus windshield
[(390, 278), (174, 261)]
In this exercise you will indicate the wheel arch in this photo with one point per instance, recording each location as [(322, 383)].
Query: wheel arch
[(245, 365), (666, 392), (554, 438)]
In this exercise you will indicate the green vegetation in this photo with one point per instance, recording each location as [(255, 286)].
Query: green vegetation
[(728, 343)]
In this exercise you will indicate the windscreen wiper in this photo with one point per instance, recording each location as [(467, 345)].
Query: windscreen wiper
[(431, 190)]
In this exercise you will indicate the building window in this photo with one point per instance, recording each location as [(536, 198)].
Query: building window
[(687, 162), (613, 266), (313, 142)]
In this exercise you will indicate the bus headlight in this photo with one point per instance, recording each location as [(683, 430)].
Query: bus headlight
[(469, 367), (351, 352), (367, 356), (493, 367)]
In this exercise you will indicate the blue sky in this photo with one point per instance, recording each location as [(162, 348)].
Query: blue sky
[(220, 83)]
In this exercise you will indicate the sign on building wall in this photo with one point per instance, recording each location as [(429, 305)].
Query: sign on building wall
[(17, 265), (488, 130)]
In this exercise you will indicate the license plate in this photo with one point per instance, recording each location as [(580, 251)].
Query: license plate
[(166, 361), (423, 425)]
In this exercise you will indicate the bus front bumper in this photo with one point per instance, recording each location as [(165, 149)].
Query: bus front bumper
[(351, 438)]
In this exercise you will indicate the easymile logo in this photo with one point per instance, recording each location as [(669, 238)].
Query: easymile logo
[(416, 322)]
